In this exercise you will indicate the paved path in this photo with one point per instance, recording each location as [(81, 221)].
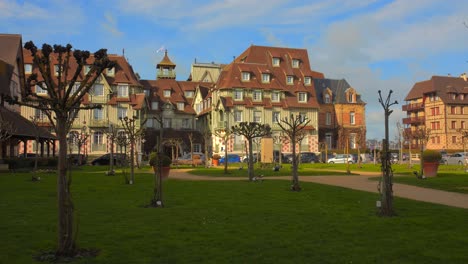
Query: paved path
[(360, 182)]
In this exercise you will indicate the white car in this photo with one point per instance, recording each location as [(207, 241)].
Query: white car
[(455, 159), (342, 158)]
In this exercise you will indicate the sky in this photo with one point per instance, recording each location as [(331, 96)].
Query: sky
[(373, 44)]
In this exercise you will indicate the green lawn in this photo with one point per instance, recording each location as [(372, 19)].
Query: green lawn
[(226, 222)]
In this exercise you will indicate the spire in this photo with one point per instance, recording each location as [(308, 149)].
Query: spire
[(166, 68), (166, 61)]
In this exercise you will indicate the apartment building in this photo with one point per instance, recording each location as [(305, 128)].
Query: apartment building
[(263, 84), (341, 116), (439, 104), (117, 90)]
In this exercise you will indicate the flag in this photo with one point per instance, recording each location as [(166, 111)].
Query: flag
[(160, 49)]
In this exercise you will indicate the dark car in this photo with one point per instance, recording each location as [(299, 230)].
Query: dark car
[(119, 159), (77, 159), (231, 158), (306, 157)]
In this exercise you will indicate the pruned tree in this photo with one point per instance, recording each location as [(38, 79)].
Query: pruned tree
[(35, 122), (421, 134), (157, 199), (61, 106), (292, 127), (251, 130), (464, 135), (133, 132), (191, 139), (80, 139), (111, 134), (224, 134), (206, 135)]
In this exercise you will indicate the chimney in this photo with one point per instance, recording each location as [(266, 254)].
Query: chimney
[(463, 75)]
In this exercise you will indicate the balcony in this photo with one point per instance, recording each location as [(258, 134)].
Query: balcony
[(413, 107), (98, 123), (166, 74), (413, 120)]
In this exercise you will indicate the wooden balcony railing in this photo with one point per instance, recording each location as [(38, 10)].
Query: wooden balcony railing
[(413, 107)]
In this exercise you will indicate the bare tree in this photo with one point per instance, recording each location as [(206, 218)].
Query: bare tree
[(80, 140), (293, 126), (422, 136), (61, 106), (206, 135), (111, 134), (251, 130), (224, 134), (133, 132)]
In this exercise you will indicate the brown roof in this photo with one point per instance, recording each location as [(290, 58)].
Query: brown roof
[(22, 126), (166, 61), (442, 86)]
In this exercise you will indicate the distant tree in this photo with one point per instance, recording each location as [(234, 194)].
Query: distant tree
[(133, 132), (206, 135), (422, 136), (251, 130), (293, 127), (224, 134), (111, 134), (61, 106)]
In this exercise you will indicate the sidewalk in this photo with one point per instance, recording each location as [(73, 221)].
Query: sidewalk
[(361, 183)]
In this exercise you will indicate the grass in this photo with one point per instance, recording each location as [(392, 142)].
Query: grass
[(226, 222)]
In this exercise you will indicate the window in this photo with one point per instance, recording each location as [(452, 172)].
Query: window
[(454, 124), (166, 123), (198, 107), (237, 116), (276, 117), (352, 119), (327, 98), (328, 118), (454, 139), (276, 61), (295, 63), (154, 105), (39, 89), (98, 89), (40, 114), (189, 94), (352, 141), (302, 117), (351, 97), (97, 114), (28, 68), (185, 123), (462, 125), (328, 140), (86, 69), (462, 110), (98, 138), (302, 97), (111, 72), (257, 117), (75, 88), (257, 95), (453, 110), (307, 80), (462, 97), (121, 112), (149, 122), (238, 95), (122, 90), (453, 96), (275, 96), (180, 106), (167, 93), (289, 79), (197, 147), (57, 69), (245, 76), (265, 77)]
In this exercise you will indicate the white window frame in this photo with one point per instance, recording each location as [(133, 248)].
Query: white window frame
[(275, 96), (122, 90), (98, 138), (257, 95), (122, 112), (154, 105), (328, 118), (289, 79), (75, 88), (111, 72), (245, 76), (185, 123), (180, 106), (275, 61), (352, 118), (327, 98), (302, 117), (302, 97), (351, 97), (238, 95), (265, 77), (56, 69), (39, 114), (307, 80), (98, 114), (189, 94), (257, 116), (28, 68), (295, 63), (86, 69), (276, 116), (167, 93), (238, 116), (39, 90), (93, 90)]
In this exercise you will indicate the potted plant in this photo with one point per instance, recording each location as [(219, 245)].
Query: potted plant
[(431, 160), (165, 161), (215, 159)]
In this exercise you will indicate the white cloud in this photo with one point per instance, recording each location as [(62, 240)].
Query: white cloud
[(110, 25)]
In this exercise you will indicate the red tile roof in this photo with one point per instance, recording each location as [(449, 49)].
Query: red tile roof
[(443, 86)]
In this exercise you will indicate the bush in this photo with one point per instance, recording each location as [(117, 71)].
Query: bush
[(431, 156), (155, 158)]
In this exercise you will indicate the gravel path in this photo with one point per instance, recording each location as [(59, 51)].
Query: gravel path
[(360, 182)]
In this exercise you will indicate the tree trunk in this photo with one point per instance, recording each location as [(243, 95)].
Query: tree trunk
[(66, 237), (226, 155), (295, 178), (251, 161), (132, 161)]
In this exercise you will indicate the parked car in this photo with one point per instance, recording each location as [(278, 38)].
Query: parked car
[(231, 158), (256, 157), (198, 159), (77, 159), (342, 158), (119, 159), (306, 157), (455, 159)]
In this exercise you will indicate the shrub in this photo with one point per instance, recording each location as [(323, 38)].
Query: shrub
[(155, 158), (431, 156)]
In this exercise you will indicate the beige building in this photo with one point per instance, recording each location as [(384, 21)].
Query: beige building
[(441, 105)]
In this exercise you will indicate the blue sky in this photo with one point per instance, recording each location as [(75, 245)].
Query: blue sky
[(373, 44)]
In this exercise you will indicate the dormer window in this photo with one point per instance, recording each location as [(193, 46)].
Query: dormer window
[(245, 76), (302, 97), (86, 69), (111, 72), (39, 90), (307, 80), (189, 94), (351, 97), (238, 95), (289, 79), (122, 90), (167, 93), (180, 106), (57, 69), (326, 98), (28, 68), (462, 97), (295, 63), (265, 77), (257, 96), (276, 61), (275, 96)]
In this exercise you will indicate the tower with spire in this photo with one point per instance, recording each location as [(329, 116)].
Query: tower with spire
[(165, 68)]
